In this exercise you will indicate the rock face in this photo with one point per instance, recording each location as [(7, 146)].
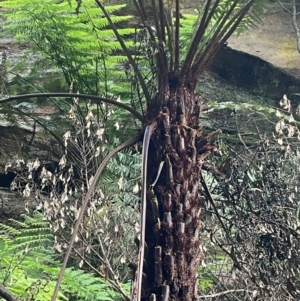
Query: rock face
[(12, 204), (254, 74), (18, 143), (264, 60)]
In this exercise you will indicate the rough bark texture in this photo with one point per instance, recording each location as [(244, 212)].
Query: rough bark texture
[(174, 203)]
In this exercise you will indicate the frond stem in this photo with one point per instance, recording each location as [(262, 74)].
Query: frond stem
[(215, 40), (6, 294), (222, 37), (176, 39), (197, 37), (162, 20), (95, 98), (126, 51)]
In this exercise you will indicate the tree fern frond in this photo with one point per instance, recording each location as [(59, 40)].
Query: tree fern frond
[(253, 19), (227, 24), (9, 230), (26, 271)]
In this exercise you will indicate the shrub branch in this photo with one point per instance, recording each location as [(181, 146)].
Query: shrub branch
[(85, 200)]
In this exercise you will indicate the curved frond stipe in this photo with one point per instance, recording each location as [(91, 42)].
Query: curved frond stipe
[(94, 98), (146, 141)]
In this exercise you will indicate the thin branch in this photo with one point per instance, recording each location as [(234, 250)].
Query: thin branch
[(126, 51), (215, 39), (211, 200), (295, 24), (43, 126), (240, 136), (37, 88), (115, 284), (115, 277), (155, 41), (85, 201), (142, 12), (284, 8), (96, 99), (225, 293)]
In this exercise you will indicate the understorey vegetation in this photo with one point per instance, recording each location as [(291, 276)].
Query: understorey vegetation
[(148, 200)]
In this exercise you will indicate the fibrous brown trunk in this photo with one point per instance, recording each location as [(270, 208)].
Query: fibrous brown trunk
[(174, 203)]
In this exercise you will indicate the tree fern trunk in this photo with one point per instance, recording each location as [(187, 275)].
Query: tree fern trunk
[(174, 204)]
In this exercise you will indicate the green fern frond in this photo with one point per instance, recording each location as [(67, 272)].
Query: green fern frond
[(31, 273), (22, 225), (9, 230), (254, 17), (74, 42)]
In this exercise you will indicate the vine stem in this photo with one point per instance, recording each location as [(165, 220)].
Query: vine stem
[(85, 200)]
